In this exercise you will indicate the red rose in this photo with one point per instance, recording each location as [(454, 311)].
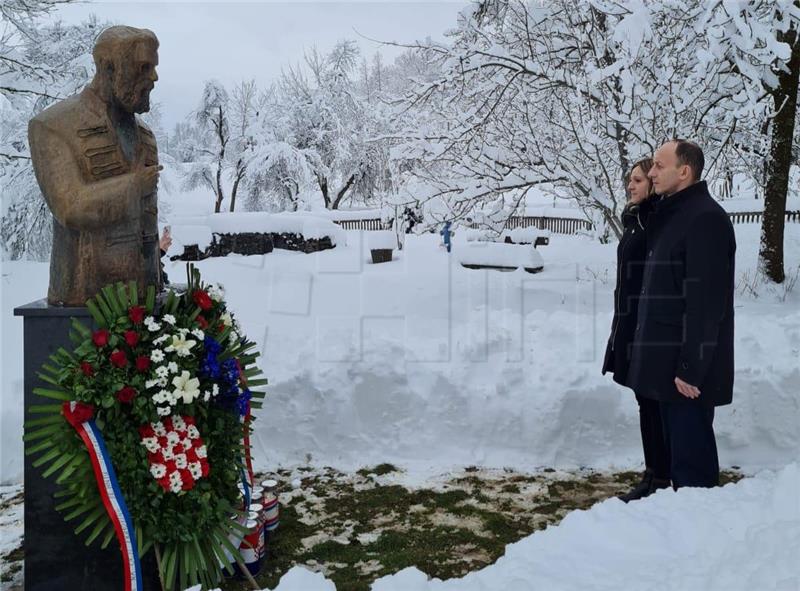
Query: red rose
[(136, 314), (191, 455), (77, 413), (167, 422), (162, 442), (118, 358), (204, 467), (142, 363), (202, 322), (100, 337), (146, 431), (131, 337), (156, 458), (188, 420), (163, 482), (188, 480), (87, 368), (170, 464), (126, 394), (202, 299)]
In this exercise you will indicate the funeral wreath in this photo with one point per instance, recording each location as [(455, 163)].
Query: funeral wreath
[(146, 429)]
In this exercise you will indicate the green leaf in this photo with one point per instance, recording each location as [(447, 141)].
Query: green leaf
[(54, 394), (48, 379), (122, 296), (170, 560), (105, 309), (150, 300), (60, 462), (133, 291), (91, 518), (45, 409), (41, 446), (101, 525), (80, 510), (44, 420), (111, 298), (97, 315), (46, 457), (110, 535), (81, 328), (71, 468)]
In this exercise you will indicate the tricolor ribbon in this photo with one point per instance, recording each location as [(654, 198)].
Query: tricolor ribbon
[(79, 415)]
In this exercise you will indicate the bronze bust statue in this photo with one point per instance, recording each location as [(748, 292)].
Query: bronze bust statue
[(97, 166)]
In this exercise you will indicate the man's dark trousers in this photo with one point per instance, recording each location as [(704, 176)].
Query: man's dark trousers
[(689, 435)]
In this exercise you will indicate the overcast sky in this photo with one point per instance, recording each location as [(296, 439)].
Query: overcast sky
[(233, 41)]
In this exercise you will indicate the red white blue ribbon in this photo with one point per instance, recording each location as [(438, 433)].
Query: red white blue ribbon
[(79, 415)]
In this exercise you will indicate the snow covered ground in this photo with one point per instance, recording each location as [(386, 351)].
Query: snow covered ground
[(426, 364), (741, 537)]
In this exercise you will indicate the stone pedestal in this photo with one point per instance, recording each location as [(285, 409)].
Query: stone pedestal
[(55, 558)]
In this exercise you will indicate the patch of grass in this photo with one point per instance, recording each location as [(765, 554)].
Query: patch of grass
[(379, 470), (362, 531), (12, 562)]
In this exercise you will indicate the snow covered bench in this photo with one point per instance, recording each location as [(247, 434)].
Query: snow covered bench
[(500, 256), (533, 236)]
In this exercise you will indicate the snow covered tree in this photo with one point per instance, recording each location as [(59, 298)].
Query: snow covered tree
[(566, 95), (39, 64), (784, 97), (330, 123), (212, 118)]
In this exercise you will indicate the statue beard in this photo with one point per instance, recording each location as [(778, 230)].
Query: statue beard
[(132, 96)]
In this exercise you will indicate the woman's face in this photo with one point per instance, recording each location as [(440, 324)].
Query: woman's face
[(638, 185)]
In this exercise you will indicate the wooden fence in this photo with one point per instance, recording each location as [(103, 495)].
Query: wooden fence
[(560, 225), (368, 224), (747, 217)]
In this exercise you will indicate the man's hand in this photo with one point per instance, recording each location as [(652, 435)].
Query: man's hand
[(147, 179), (166, 240), (686, 389)]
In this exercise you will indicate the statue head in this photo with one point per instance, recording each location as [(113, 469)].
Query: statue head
[(126, 60)]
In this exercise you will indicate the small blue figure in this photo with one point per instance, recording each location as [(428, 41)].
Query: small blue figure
[(445, 232)]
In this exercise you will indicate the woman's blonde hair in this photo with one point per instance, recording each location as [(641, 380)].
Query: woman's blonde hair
[(645, 164)]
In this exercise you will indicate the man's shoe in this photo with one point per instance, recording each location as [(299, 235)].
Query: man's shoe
[(658, 483), (641, 490)]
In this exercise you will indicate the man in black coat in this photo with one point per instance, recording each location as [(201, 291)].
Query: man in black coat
[(682, 354)]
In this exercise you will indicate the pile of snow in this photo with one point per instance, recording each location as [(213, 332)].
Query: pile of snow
[(301, 223), (350, 214), (188, 235), (524, 235), (498, 254), (428, 365), (517, 235), (736, 538), (382, 239), (199, 230)]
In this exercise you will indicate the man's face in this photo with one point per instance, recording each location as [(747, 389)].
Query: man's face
[(667, 174), (135, 78)]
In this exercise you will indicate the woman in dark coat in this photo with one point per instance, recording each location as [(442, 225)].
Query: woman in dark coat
[(631, 253)]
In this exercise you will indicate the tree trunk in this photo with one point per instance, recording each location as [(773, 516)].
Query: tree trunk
[(323, 185), (780, 160), (235, 188), (222, 141), (340, 195)]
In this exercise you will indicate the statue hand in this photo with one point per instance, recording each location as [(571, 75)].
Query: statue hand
[(147, 179)]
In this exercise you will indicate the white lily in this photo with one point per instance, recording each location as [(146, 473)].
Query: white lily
[(181, 345), (186, 387)]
